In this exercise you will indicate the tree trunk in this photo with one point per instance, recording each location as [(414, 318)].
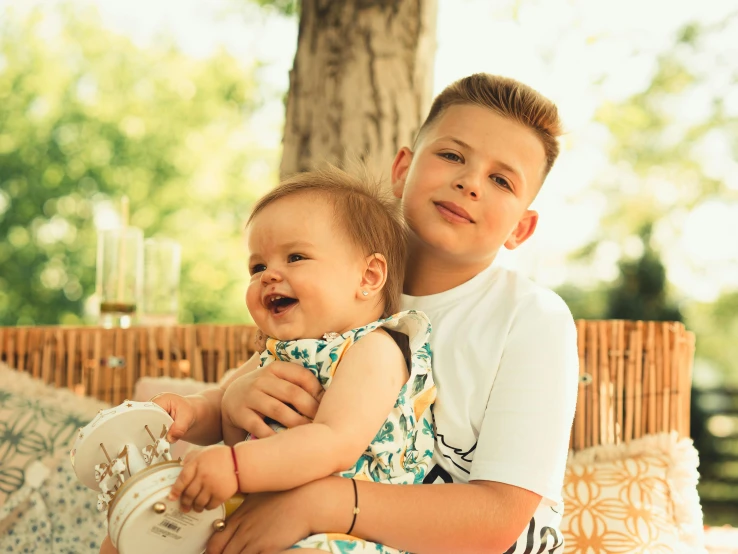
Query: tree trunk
[(361, 81)]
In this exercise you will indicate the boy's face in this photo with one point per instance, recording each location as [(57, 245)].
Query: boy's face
[(466, 189)]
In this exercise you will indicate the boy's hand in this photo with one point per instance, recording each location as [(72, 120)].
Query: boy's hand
[(181, 411), (208, 479), (285, 392)]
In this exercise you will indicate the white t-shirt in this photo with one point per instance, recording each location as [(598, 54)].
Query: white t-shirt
[(506, 366)]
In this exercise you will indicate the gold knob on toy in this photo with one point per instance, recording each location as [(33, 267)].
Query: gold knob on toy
[(160, 507), (219, 525)]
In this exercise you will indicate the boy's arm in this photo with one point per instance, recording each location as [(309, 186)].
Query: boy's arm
[(364, 390), (481, 516), (206, 427), (461, 518)]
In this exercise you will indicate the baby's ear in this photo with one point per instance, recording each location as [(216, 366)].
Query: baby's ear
[(374, 277), (400, 168), (523, 230)]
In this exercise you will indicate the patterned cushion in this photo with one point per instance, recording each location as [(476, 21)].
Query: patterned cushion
[(37, 424), (59, 517), (639, 497)]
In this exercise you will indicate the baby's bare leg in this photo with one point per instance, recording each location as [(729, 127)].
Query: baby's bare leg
[(107, 546)]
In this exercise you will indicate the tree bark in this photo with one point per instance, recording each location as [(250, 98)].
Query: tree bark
[(361, 82)]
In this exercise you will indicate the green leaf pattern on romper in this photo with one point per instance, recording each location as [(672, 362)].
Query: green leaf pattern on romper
[(402, 449)]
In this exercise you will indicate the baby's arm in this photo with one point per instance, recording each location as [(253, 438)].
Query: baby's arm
[(363, 392), (197, 417)]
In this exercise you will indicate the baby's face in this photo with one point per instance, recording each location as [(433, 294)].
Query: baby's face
[(305, 273)]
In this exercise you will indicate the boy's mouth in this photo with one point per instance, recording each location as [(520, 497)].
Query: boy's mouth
[(277, 304), (453, 212)]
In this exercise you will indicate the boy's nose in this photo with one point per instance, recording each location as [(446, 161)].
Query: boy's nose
[(467, 188)]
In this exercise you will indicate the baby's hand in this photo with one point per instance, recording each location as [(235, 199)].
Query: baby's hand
[(208, 479), (180, 409)]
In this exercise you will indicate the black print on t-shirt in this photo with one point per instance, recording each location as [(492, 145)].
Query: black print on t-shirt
[(436, 473), (456, 455), (530, 543)]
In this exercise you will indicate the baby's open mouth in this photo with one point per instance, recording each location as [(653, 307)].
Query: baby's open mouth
[(277, 303)]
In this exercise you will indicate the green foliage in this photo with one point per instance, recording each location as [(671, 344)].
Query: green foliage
[(716, 326), (640, 291), (85, 117), (287, 7)]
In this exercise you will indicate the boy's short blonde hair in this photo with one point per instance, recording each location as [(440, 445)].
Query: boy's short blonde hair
[(371, 218), (508, 98)]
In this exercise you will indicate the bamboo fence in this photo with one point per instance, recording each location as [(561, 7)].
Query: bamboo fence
[(634, 376)]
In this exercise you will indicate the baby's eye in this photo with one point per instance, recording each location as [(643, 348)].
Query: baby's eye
[(451, 156), (500, 180), (295, 258), (257, 268)]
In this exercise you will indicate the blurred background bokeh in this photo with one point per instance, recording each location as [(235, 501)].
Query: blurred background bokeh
[(179, 104)]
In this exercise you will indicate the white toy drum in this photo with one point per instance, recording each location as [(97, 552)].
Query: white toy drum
[(123, 453)]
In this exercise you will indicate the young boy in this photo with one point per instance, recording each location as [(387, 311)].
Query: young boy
[(504, 352)]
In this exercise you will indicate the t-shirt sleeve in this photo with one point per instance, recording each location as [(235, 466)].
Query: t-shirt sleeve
[(524, 436)]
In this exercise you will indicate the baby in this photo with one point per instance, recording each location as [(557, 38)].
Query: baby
[(327, 258)]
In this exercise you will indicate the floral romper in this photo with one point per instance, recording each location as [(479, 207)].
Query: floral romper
[(402, 450)]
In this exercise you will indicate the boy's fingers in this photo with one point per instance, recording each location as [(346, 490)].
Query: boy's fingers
[(299, 376), (218, 542), (293, 395), (254, 424), (282, 413)]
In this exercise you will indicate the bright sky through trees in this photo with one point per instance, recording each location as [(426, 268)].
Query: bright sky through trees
[(581, 53)]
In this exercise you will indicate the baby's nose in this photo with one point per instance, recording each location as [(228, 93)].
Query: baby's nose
[(270, 276)]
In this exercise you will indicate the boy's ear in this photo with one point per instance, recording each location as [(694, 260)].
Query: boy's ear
[(523, 230), (400, 167), (374, 278)]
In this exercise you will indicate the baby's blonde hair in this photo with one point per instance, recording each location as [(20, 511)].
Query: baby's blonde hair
[(371, 218)]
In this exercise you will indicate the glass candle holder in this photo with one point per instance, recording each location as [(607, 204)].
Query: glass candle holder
[(160, 301), (119, 275)]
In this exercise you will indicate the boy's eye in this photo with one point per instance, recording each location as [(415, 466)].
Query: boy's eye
[(257, 268), (500, 180), (451, 156), (295, 258)]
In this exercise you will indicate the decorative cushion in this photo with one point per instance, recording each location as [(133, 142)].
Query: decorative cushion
[(59, 517), (639, 497), (36, 422), (40, 497)]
